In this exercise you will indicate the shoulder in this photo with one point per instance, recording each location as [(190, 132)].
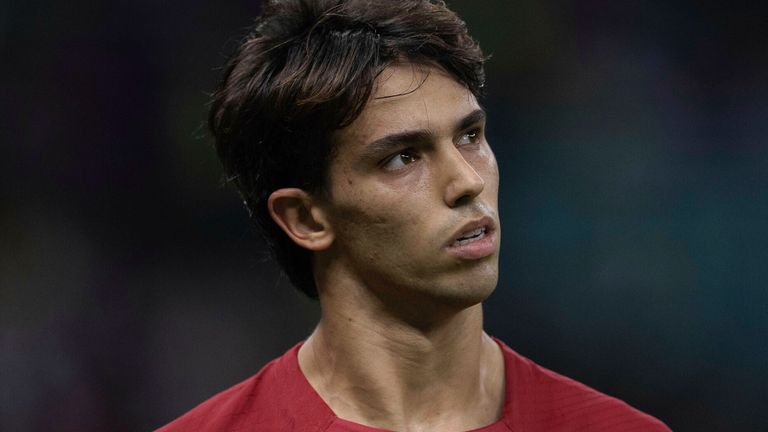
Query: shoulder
[(541, 399), (270, 400), (224, 410)]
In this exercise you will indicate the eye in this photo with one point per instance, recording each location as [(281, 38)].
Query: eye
[(399, 160), (471, 137)]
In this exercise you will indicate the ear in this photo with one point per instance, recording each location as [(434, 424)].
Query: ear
[(298, 214)]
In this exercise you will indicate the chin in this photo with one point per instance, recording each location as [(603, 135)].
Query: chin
[(470, 292)]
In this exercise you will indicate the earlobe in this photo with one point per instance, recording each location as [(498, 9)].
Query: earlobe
[(297, 213)]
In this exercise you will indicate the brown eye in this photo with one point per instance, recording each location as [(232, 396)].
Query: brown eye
[(400, 160), (470, 137)]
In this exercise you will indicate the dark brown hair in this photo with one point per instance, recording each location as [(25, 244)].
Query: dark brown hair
[(307, 69)]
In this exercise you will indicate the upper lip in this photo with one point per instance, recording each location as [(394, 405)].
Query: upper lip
[(486, 222)]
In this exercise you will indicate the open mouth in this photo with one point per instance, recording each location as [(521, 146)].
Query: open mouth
[(470, 236)]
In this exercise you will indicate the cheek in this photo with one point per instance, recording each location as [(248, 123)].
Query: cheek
[(380, 206), (357, 219), (378, 227), (484, 162), (493, 173)]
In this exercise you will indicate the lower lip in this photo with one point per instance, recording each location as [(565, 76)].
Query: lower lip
[(477, 249)]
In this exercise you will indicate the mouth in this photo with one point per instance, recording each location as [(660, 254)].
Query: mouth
[(470, 236), (474, 240)]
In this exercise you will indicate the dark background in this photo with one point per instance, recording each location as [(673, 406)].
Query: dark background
[(632, 143)]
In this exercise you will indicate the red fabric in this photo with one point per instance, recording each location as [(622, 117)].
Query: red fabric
[(279, 398)]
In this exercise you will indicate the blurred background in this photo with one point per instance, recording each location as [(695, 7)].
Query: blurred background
[(632, 143)]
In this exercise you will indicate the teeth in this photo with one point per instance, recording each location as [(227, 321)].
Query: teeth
[(472, 233), (471, 236)]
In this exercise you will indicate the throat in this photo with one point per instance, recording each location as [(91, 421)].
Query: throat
[(406, 382)]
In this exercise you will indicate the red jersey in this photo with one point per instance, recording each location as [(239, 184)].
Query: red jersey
[(279, 398)]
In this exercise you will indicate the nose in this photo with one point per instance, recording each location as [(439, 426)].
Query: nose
[(463, 182)]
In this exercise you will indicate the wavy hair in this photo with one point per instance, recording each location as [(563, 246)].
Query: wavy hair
[(308, 68)]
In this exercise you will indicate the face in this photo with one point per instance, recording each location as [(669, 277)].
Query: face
[(413, 192)]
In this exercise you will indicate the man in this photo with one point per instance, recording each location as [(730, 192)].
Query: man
[(354, 133)]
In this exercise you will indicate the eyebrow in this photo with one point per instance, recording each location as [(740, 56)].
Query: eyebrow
[(421, 136)]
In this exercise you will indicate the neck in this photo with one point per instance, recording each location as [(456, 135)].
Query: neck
[(379, 370)]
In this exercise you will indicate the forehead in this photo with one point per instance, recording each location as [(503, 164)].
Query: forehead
[(410, 97)]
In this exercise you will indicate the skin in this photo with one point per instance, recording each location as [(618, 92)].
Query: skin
[(400, 343)]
